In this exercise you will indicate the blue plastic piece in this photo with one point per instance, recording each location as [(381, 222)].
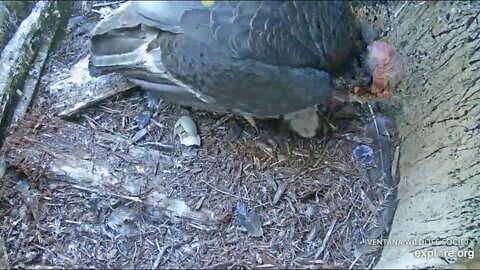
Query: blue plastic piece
[(363, 154)]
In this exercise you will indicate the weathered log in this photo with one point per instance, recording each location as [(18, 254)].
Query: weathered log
[(71, 153), (75, 89), (30, 85), (11, 13), (85, 92), (18, 54), (439, 189)]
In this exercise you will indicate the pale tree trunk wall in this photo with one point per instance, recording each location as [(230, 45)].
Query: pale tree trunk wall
[(439, 126)]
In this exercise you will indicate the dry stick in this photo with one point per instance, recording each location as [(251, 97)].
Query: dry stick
[(325, 240), (220, 264), (355, 261), (3, 166), (378, 133), (395, 162), (135, 199), (400, 9), (106, 4), (280, 190), (226, 193), (160, 254)]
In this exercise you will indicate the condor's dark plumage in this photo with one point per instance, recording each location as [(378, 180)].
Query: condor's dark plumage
[(254, 58)]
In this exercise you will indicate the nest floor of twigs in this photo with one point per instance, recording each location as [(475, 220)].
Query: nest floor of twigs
[(319, 208)]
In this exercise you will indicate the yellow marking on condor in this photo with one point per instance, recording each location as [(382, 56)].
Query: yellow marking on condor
[(207, 3)]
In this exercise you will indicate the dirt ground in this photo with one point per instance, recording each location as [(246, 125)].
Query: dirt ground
[(318, 207)]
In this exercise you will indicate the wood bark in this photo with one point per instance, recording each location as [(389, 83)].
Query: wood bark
[(439, 125)]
